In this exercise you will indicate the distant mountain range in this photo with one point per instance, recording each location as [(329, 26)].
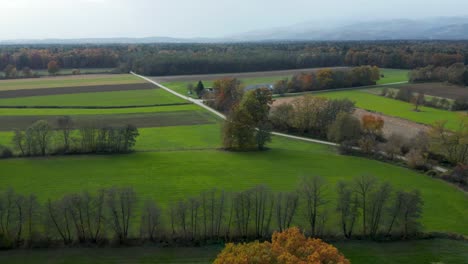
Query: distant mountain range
[(443, 28), (440, 28)]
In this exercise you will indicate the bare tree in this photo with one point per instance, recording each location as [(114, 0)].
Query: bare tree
[(347, 207), (121, 205), (65, 124), (242, 207), (58, 220), (286, 206), (363, 186), (377, 205), (263, 210), (32, 215), (150, 220), (312, 190)]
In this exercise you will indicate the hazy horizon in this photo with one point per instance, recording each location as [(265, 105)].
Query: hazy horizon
[(46, 19)]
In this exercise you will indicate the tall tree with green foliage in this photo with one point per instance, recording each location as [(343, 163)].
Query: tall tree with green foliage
[(248, 123), (200, 89)]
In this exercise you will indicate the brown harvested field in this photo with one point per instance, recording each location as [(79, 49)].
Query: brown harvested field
[(208, 77), (140, 120), (438, 89), (75, 90), (393, 125)]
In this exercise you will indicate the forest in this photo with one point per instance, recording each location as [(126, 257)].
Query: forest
[(176, 59)]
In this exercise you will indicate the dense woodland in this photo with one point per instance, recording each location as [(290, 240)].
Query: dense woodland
[(364, 208), (173, 59)]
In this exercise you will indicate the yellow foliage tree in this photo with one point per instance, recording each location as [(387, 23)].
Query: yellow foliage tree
[(287, 247)]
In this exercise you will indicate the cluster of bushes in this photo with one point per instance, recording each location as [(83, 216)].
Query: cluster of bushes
[(366, 208), (309, 115), (329, 79), (406, 94), (455, 74), (41, 139)]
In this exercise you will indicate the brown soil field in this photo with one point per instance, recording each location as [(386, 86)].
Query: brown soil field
[(393, 125), (208, 77), (75, 90), (179, 118), (438, 89)]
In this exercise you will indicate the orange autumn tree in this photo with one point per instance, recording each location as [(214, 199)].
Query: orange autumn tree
[(289, 246), (372, 124)]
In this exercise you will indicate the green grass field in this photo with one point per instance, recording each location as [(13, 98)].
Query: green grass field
[(393, 76), (396, 108), (408, 252), (68, 81), (171, 175), (120, 98), (109, 111)]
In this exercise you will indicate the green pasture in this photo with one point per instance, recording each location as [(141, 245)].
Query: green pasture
[(393, 76), (106, 111), (68, 81), (207, 136), (392, 107), (99, 99), (170, 175)]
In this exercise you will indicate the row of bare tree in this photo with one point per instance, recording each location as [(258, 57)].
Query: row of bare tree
[(360, 208)]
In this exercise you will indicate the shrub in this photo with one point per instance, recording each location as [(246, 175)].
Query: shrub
[(415, 159), (458, 175), (5, 152), (289, 246)]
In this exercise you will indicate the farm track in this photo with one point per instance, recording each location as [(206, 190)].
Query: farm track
[(74, 90), (145, 120), (207, 77)]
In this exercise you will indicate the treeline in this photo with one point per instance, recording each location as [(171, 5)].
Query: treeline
[(174, 59), (456, 74), (41, 139), (38, 57), (364, 208), (329, 79)]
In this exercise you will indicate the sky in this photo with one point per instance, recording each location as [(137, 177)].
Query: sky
[(41, 19)]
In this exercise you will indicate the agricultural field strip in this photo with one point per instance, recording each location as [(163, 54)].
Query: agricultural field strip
[(74, 90), (98, 111), (69, 81), (128, 98), (140, 120)]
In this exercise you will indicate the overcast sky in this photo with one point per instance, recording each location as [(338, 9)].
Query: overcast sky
[(196, 18)]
